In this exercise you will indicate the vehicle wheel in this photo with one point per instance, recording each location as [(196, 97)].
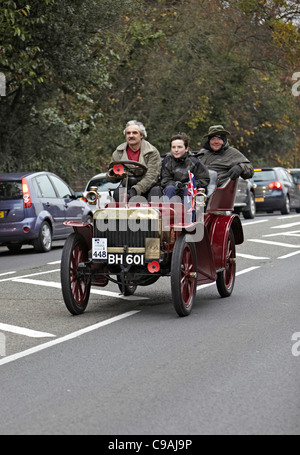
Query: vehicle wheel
[(43, 243), (183, 275), (75, 289), (226, 278), (129, 287), (286, 210), (250, 212)]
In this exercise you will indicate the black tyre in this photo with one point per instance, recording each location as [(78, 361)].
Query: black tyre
[(43, 244), (226, 278), (129, 287), (250, 211), (183, 275), (286, 209), (76, 289)]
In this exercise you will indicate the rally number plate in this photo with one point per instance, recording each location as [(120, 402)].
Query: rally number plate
[(99, 248)]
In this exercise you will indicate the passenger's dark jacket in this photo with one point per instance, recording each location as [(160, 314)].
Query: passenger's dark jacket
[(224, 160), (176, 170)]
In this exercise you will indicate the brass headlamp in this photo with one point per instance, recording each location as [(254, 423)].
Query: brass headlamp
[(93, 196)]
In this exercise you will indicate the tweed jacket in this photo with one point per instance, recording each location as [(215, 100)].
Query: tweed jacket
[(149, 157)]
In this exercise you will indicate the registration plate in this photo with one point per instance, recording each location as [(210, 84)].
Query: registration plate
[(1, 214), (100, 253), (259, 199), (125, 259)]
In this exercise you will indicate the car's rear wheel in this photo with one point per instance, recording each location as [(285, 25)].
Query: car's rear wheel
[(75, 288), (43, 243), (286, 209), (183, 275), (226, 278)]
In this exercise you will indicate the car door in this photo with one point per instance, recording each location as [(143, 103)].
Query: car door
[(52, 204), (74, 208), (291, 187), (296, 181)]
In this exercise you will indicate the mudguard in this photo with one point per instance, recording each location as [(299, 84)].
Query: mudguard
[(84, 229), (219, 232)]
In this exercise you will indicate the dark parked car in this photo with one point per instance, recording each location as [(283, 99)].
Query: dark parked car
[(275, 189), (34, 207), (245, 199)]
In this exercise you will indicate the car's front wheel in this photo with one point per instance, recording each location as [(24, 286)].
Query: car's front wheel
[(75, 287), (183, 275), (43, 243), (250, 211)]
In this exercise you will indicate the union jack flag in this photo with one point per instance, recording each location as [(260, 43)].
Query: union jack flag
[(192, 188)]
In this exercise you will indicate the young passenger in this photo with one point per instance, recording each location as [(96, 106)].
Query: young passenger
[(179, 168)]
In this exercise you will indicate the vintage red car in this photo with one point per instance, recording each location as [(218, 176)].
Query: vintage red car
[(134, 244)]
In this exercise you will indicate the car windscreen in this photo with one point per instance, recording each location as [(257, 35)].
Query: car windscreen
[(102, 184), (10, 190), (263, 176), (296, 177)]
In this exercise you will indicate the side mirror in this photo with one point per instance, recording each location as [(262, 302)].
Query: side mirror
[(78, 195)]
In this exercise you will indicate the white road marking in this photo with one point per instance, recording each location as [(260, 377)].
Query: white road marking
[(32, 274), (251, 223), (268, 242), (71, 336), (289, 234), (23, 331), (53, 284), (284, 217), (250, 256), (289, 255), (7, 273), (283, 226), (250, 269)]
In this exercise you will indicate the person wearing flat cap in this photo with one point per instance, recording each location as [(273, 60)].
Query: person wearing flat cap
[(217, 155)]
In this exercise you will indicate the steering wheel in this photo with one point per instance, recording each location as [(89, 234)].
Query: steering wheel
[(131, 168)]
